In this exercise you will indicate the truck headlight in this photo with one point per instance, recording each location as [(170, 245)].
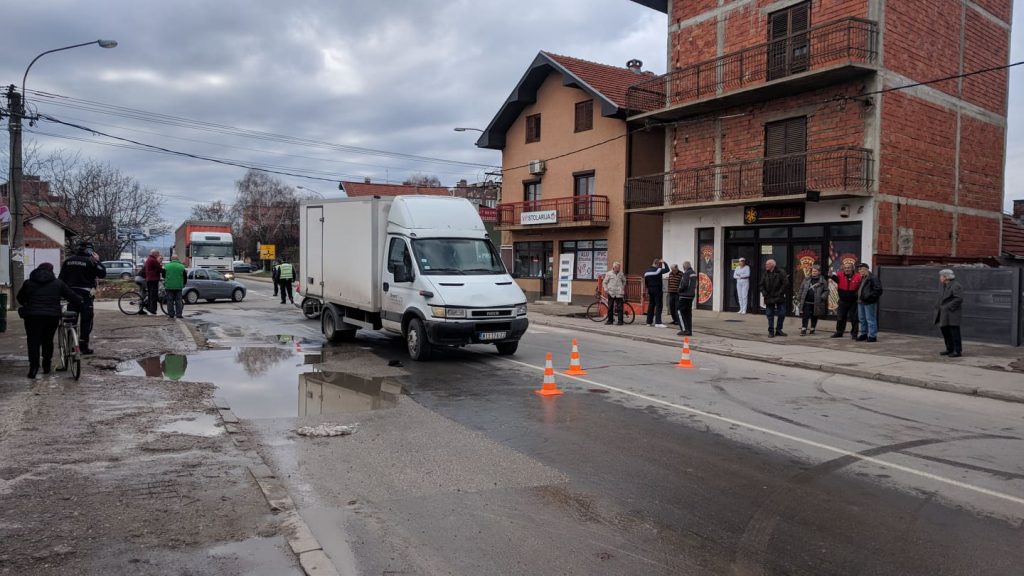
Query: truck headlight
[(521, 310), (437, 311), (455, 312)]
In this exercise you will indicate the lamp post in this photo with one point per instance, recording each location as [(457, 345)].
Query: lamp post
[(464, 128), (16, 104)]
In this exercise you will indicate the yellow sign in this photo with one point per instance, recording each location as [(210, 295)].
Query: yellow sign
[(268, 251)]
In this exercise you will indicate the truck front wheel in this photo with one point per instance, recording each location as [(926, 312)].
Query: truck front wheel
[(416, 341), (507, 348)]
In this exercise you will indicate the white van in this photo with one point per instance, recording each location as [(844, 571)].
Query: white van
[(419, 266)]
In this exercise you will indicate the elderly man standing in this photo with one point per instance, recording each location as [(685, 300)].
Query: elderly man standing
[(615, 286), (775, 289), (948, 312)]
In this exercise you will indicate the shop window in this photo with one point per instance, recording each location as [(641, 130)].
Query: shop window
[(851, 230), (591, 257), (533, 128), (808, 232), (774, 232), (530, 259), (742, 234), (705, 266)]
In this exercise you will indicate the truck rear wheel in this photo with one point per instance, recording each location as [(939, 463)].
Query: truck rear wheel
[(507, 348), (329, 323), (416, 341)]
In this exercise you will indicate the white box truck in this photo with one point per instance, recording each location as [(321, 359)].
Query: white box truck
[(419, 266)]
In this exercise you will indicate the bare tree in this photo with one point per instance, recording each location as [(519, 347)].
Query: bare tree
[(422, 180), (215, 211), (267, 212)]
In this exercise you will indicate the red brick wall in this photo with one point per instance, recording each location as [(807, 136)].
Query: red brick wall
[(986, 45), (36, 239), (932, 229), (883, 240), (981, 165), (999, 8), (922, 40), (686, 9), (694, 44), (918, 153), (977, 236)]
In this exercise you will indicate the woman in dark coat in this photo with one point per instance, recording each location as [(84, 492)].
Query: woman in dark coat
[(40, 297), (948, 313), (813, 299)]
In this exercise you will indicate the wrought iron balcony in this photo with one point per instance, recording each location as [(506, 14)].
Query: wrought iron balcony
[(487, 214), (826, 53), (832, 172), (571, 211)]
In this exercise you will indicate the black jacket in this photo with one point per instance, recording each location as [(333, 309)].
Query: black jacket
[(79, 271), (870, 290), (40, 295), (775, 286), (652, 278), (688, 285)]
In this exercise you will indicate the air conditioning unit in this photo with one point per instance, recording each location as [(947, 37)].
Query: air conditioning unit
[(536, 167)]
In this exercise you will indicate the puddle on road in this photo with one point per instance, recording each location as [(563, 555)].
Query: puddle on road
[(273, 382), (197, 424)]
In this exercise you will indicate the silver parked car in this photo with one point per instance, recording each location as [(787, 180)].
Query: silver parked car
[(211, 285), (123, 269)]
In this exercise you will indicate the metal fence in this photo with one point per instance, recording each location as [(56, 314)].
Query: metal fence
[(578, 209), (992, 302)]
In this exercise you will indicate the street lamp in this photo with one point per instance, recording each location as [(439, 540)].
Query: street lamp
[(463, 129), (16, 104)]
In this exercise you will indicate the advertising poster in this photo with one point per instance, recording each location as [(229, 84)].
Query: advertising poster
[(566, 264)]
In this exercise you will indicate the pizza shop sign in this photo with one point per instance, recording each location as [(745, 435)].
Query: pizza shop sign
[(773, 213)]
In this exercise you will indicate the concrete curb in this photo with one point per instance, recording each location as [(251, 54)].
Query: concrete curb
[(312, 558), (967, 390)]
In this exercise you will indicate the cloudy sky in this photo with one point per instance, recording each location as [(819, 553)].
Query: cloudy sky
[(393, 76)]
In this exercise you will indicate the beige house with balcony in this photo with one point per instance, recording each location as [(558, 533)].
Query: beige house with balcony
[(566, 154)]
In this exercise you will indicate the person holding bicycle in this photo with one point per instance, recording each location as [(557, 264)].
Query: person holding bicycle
[(79, 272), (615, 286), (40, 299)]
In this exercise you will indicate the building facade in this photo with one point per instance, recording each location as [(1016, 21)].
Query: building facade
[(563, 137), (791, 134)]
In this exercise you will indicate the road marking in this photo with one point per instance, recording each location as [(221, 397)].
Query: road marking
[(783, 435)]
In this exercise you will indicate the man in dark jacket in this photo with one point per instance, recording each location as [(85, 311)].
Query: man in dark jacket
[(80, 271), (775, 289), (848, 285), (675, 277), (652, 280), (40, 300), (153, 269), (948, 313), (687, 293), (867, 303)]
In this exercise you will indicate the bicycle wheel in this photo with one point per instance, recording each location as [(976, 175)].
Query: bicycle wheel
[(130, 302), (73, 360), (628, 315), (597, 311), (62, 348), (76, 367), (163, 303)]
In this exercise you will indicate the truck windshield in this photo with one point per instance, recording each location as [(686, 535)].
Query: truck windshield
[(211, 250), (440, 256)]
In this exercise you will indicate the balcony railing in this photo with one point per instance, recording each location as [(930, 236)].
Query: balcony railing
[(487, 214), (847, 40), (832, 171), (568, 211)]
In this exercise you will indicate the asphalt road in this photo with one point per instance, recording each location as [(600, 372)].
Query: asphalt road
[(734, 467)]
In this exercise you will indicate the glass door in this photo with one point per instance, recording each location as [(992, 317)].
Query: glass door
[(733, 253)]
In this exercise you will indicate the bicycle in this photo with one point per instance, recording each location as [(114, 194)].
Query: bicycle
[(598, 311), (134, 301), (69, 353)]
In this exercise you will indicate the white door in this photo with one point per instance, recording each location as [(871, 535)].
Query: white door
[(398, 276), (313, 267)]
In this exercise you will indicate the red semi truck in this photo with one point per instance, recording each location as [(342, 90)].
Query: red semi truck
[(205, 244)]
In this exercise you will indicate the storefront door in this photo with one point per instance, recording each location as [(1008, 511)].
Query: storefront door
[(733, 254)]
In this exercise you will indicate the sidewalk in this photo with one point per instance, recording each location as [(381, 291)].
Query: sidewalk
[(986, 370)]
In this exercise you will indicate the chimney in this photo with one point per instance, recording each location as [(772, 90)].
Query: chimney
[(635, 66), (463, 183), (366, 180), (1018, 209)]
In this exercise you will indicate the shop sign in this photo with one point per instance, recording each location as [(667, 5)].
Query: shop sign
[(541, 217), (773, 213), (565, 267)]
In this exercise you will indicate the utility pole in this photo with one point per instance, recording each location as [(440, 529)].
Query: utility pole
[(16, 239)]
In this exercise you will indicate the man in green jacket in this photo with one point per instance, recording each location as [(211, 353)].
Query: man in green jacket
[(175, 278)]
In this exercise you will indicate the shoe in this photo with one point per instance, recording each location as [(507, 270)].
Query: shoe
[(618, 323), (780, 333), (771, 334), (955, 355), (178, 317), (836, 335), (609, 322), (803, 331), (945, 353), (86, 350), (143, 313), (660, 326), (811, 331), (32, 372), (687, 333), (681, 333), (47, 367), (861, 338), (291, 301), (876, 340)]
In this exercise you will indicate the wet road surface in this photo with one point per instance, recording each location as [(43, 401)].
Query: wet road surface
[(734, 467)]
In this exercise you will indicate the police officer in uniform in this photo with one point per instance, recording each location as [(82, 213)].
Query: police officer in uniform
[(79, 272), (285, 275)]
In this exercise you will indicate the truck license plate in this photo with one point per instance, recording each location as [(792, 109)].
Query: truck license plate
[(493, 335)]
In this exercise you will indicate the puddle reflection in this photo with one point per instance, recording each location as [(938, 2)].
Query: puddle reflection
[(260, 382)]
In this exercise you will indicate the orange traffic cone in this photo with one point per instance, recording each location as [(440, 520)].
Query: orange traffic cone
[(549, 388), (575, 368), (684, 360)]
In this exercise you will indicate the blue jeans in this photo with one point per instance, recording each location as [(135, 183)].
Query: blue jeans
[(776, 316), (868, 316)]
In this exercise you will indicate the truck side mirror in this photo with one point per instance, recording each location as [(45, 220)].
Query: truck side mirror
[(402, 274)]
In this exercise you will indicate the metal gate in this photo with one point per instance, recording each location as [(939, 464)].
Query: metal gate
[(992, 302)]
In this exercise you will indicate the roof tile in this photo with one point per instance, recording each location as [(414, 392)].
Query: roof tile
[(1013, 236), (612, 81), (354, 189)]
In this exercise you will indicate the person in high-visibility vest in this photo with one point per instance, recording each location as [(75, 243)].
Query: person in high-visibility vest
[(285, 275)]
